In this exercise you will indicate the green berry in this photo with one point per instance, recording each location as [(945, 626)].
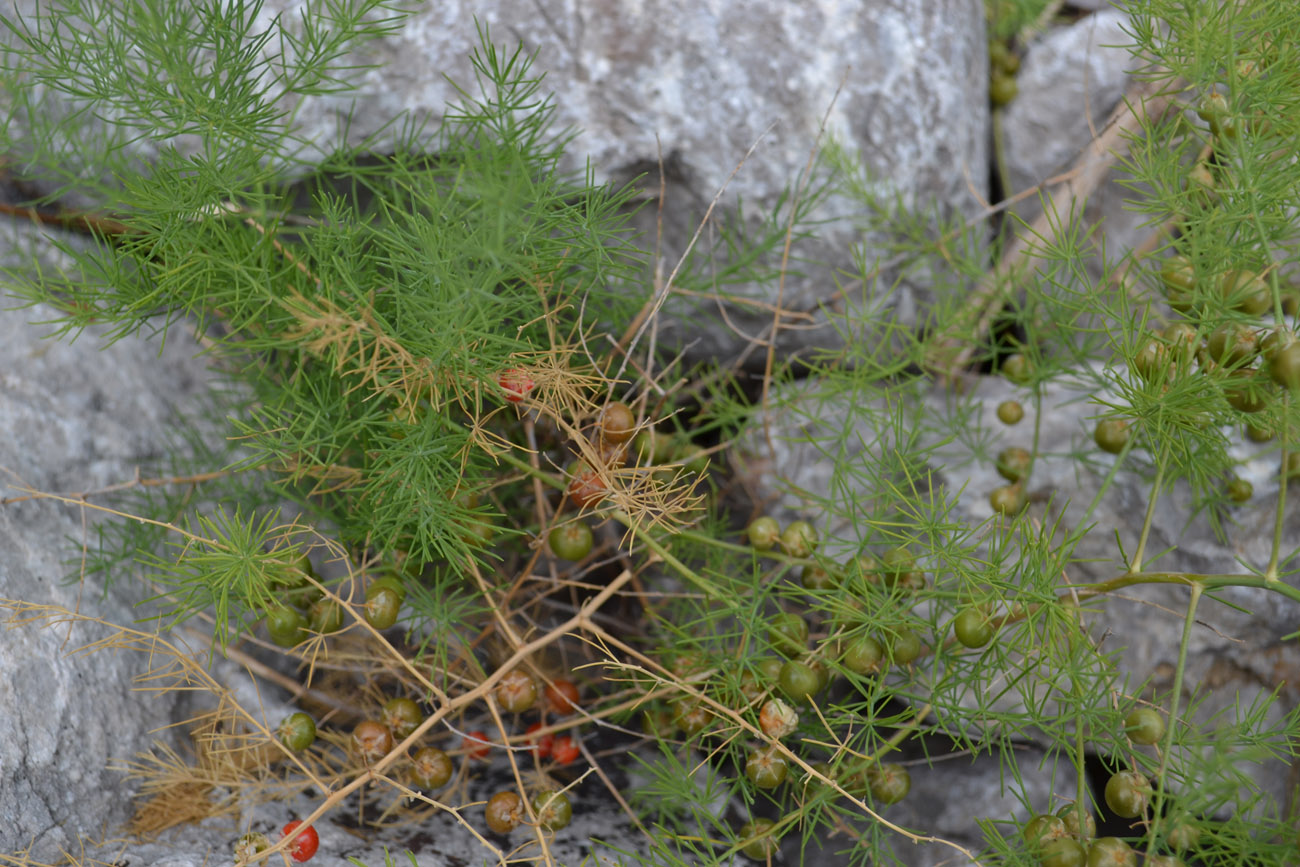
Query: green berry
[(691, 716), (1014, 464), (297, 731), (757, 841), (1179, 277), (1062, 853), (799, 681), (285, 626), (571, 541), (1010, 412), (863, 656), (1232, 344), (1144, 725), (384, 602), (799, 539), (1284, 367), (1111, 852), (906, 647), (789, 634), (766, 768), (1009, 500), (1152, 360), (517, 691), (431, 768), (1112, 435), (763, 533), (325, 616), (1015, 367), (889, 783), (402, 716), (817, 577), (1002, 89), (1071, 814), (1182, 835), (973, 627), (1042, 829), (554, 812), (1127, 793), (1246, 291)]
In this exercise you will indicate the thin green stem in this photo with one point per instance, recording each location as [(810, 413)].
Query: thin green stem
[(1149, 518), (1279, 513), (1174, 701)]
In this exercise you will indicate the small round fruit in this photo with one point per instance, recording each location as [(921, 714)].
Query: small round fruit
[(1042, 829), (777, 719), (799, 539), (297, 731), (402, 716), (554, 812), (1284, 367), (285, 626), (1111, 435), (1247, 291), (889, 783), (906, 647), (617, 423), (788, 634), (562, 696), (1015, 367), (1200, 179), (1240, 490), (695, 458), (1245, 392), (1152, 360), (586, 487), (383, 604), (1182, 835), (504, 812), (1144, 725), (1257, 434), (476, 745), (1292, 467), (1009, 500), (325, 616), (766, 768), (517, 691), (757, 841), (1002, 89), (516, 384), (652, 447), (1165, 861), (799, 681), (763, 533), (305, 842), (1010, 412), (1111, 852), (973, 627), (371, 740), (251, 845), (1183, 342), (1062, 853), (691, 716), (817, 577), (565, 750), (541, 744), (1232, 344), (1127, 793), (863, 655), (1178, 275), (1014, 464), (431, 768), (571, 541), (1070, 814)]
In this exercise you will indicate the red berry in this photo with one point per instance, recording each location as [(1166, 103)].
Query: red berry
[(542, 745), (564, 750), (515, 383), (305, 843), (562, 696), (476, 745)]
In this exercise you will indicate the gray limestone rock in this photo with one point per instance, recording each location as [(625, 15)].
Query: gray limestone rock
[(900, 84), (1069, 82), (75, 418)]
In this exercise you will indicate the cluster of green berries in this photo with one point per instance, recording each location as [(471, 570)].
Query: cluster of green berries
[(1004, 63), (304, 607)]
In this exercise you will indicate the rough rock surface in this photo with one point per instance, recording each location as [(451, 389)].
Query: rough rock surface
[(900, 82), (75, 418), (1069, 82)]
